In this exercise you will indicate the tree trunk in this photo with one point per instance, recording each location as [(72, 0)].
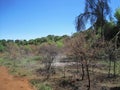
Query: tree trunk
[(109, 67), (102, 25), (83, 73), (77, 67), (49, 68), (88, 76), (114, 68), (116, 41), (64, 72)]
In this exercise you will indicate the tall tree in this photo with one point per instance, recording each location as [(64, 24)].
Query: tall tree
[(95, 11)]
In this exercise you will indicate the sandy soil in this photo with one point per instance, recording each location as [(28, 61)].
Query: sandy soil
[(9, 82)]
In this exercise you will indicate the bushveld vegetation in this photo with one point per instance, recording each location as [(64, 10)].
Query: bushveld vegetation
[(89, 59)]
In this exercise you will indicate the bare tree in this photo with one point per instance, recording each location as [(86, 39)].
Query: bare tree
[(80, 48), (48, 51), (112, 51)]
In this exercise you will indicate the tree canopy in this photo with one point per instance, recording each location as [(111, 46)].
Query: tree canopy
[(95, 11)]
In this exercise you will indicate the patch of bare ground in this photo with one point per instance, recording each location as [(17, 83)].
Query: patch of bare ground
[(9, 82), (99, 81), (67, 78)]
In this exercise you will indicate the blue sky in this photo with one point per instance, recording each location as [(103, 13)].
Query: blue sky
[(29, 19)]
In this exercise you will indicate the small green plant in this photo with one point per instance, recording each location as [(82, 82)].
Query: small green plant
[(40, 86), (59, 44), (37, 58), (5, 62), (2, 48), (45, 87)]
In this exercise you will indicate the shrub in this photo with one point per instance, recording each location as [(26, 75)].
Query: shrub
[(2, 48)]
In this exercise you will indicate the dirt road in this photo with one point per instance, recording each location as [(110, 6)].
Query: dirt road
[(9, 82)]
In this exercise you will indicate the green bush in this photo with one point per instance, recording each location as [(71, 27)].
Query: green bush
[(2, 48), (45, 87), (59, 44)]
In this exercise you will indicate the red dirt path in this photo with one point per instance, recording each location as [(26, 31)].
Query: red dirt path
[(9, 82)]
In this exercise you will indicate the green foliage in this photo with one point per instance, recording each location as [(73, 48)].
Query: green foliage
[(39, 85), (45, 87), (57, 38), (37, 58), (59, 44), (110, 30), (10, 41), (50, 37), (27, 49), (2, 48), (3, 42), (31, 41), (22, 67), (75, 34), (6, 62), (117, 16)]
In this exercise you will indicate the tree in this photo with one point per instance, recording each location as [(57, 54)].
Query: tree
[(57, 38), (17, 42), (31, 41), (95, 11), (3, 42), (110, 30), (76, 49), (13, 51), (117, 16), (80, 50), (43, 39), (50, 37), (10, 41), (48, 51), (2, 45), (109, 53)]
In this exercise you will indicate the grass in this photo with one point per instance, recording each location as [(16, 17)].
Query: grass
[(106, 63), (60, 43), (6, 62), (26, 67), (39, 85), (22, 67)]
